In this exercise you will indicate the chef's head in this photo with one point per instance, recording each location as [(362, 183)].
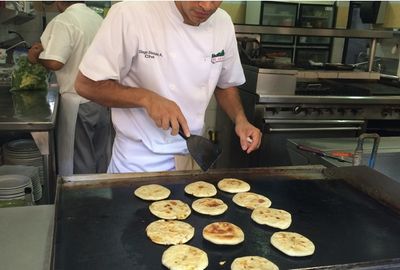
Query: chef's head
[(62, 5), (196, 12)]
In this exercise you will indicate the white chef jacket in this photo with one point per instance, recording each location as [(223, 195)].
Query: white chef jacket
[(146, 44), (66, 39)]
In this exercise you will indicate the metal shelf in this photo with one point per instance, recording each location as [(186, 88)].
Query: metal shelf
[(11, 16), (318, 32), (304, 31)]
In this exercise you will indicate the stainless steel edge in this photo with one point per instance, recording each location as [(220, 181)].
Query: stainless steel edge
[(303, 172), (313, 129), (371, 182), (313, 121), (270, 70), (373, 100), (322, 32)]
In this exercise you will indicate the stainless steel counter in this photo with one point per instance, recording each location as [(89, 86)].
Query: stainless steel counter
[(28, 110), (34, 112), (26, 236), (387, 159)]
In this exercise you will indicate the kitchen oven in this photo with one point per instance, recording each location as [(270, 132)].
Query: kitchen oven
[(322, 109), (280, 122)]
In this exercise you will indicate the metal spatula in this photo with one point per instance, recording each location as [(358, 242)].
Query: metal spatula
[(202, 150)]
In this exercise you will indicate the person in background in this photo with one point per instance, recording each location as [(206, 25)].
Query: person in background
[(84, 127), (157, 64)]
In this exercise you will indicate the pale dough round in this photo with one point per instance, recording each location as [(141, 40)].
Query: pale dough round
[(251, 200), (223, 233), (169, 232), (233, 185), (152, 192), (184, 257), (253, 262), (209, 206), (272, 217), (201, 189), (170, 209), (293, 244)]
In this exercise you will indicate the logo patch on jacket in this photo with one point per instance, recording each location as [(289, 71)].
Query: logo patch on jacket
[(218, 57)]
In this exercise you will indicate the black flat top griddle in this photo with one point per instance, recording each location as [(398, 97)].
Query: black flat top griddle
[(104, 227)]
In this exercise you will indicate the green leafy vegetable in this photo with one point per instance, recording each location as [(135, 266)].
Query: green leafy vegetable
[(27, 76)]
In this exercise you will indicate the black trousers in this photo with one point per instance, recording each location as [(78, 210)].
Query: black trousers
[(93, 139)]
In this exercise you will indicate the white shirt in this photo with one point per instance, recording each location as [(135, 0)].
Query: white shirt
[(146, 44), (66, 39)]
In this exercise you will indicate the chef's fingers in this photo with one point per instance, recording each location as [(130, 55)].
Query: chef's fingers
[(256, 141), (158, 123), (174, 127), (252, 141), (183, 125), (165, 123)]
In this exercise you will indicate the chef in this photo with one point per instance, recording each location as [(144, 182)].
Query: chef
[(157, 64), (83, 130)]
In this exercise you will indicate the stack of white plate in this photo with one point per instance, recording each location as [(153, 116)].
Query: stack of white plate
[(12, 186), (31, 172), (23, 152)]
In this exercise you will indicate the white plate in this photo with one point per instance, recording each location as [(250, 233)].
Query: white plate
[(23, 145), (13, 181), (20, 190), (22, 197)]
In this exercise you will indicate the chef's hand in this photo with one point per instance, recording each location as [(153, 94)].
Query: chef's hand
[(250, 136), (166, 114), (34, 51)]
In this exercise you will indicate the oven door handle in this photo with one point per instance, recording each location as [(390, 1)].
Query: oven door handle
[(314, 122), (314, 129)]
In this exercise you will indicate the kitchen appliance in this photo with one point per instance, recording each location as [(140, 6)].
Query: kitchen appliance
[(386, 159), (101, 224), (270, 80), (317, 109)]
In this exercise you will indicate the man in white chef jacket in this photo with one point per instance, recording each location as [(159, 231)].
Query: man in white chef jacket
[(157, 64), (83, 128)]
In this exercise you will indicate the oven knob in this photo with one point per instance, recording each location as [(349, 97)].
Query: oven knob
[(297, 109)]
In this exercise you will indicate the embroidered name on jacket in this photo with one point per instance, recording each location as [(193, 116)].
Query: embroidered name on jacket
[(150, 54), (218, 57)]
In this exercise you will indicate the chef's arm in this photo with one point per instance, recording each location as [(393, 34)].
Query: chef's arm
[(164, 112), (229, 100), (33, 58), (52, 65)]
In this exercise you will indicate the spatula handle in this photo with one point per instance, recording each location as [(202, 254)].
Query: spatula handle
[(182, 133)]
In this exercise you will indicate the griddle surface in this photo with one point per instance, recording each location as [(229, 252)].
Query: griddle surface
[(104, 228)]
